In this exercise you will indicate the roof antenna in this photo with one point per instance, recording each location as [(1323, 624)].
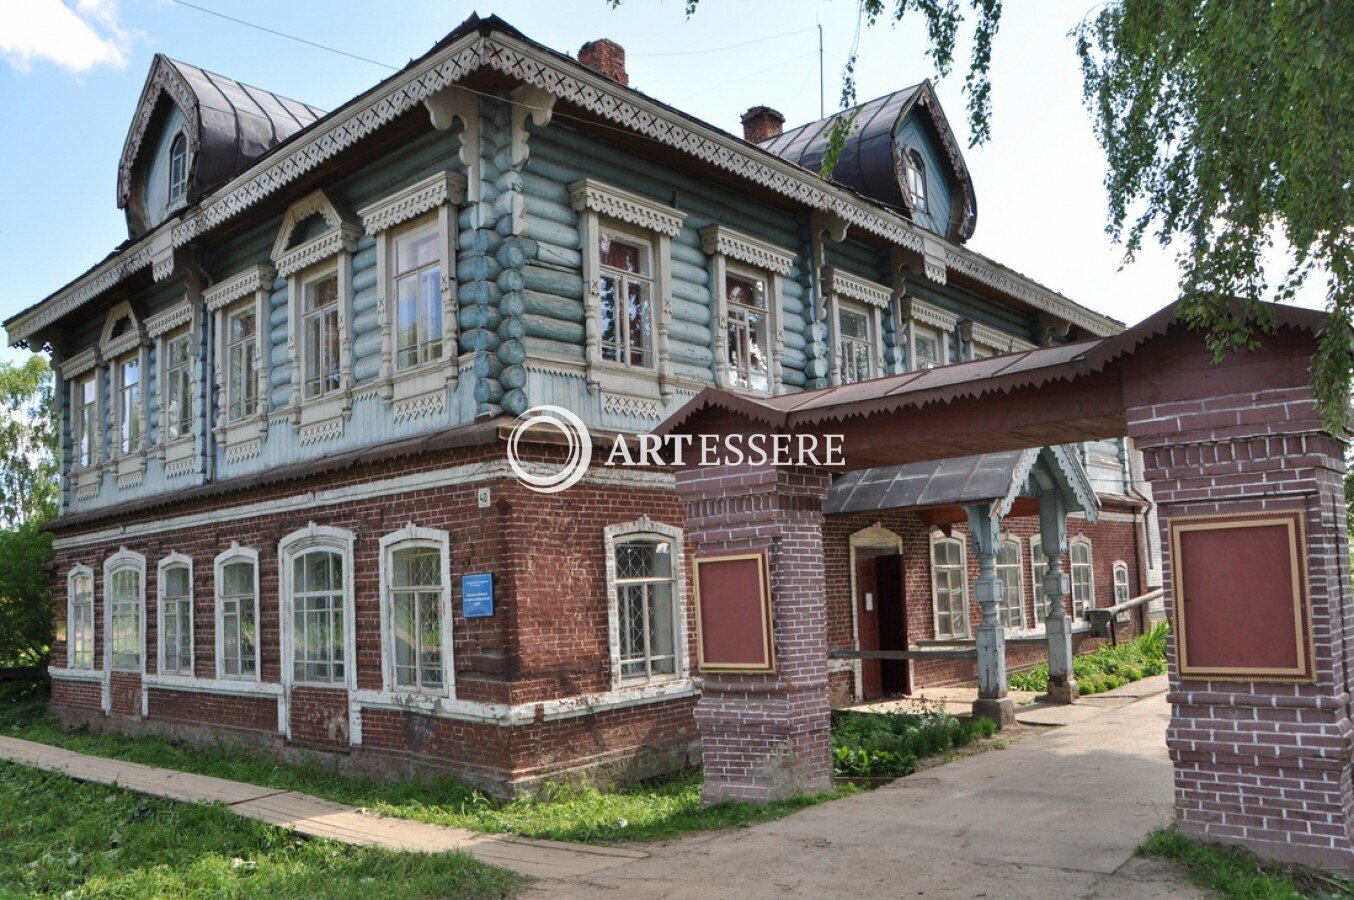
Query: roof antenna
[(822, 107)]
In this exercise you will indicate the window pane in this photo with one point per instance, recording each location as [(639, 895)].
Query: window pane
[(637, 314), (416, 249)]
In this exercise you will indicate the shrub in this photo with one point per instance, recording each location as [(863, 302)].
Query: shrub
[(890, 744), (1108, 667)]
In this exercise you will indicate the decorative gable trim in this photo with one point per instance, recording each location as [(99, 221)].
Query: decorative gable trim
[(415, 200), (926, 314), (988, 336), (615, 203), (853, 287), (258, 277), (342, 234), (179, 314), (111, 347), (746, 249), (163, 79)]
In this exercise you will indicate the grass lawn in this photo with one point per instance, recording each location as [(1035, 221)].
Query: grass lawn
[(642, 812), (1107, 667), (1234, 872), (60, 837)]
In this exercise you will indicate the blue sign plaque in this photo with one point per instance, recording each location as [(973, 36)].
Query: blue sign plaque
[(477, 595)]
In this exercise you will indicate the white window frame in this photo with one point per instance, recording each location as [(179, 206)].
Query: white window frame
[(242, 438), (869, 342), (235, 554), (1121, 568), (1039, 568), (299, 542), (923, 318), (433, 201), (601, 206), (76, 572), (1081, 541), (1018, 602), (648, 247), (414, 537), (747, 257), (124, 559), (124, 444), (167, 384), (173, 560), (177, 188), (79, 431), (644, 528), (915, 167), (770, 313), (938, 538), (843, 289), (307, 284)]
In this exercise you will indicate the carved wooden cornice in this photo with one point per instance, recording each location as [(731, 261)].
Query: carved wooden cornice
[(415, 200), (80, 363), (746, 249), (918, 311), (853, 287), (179, 314), (991, 337), (625, 206), (255, 278)]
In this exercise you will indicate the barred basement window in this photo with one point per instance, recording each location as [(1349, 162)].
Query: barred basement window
[(320, 330), (1083, 577), (416, 589), (418, 297), (949, 587), (237, 613), (626, 288), (856, 344), (1011, 611), (749, 361), (644, 602), (318, 617), (179, 396), (241, 363), (124, 581), (80, 618), (176, 616)]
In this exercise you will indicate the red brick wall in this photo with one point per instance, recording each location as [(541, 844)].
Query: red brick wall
[(218, 710), (1111, 541)]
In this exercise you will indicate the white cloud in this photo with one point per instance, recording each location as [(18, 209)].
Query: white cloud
[(76, 39)]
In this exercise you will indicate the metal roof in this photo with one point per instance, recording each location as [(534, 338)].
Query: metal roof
[(943, 482)]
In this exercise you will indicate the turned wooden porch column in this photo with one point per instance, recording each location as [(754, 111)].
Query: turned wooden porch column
[(992, 703), (1062, 683)]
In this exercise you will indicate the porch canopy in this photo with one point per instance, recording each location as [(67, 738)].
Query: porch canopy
[(1221, 439)]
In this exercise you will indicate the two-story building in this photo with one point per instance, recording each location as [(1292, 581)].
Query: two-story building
[(284, 402)]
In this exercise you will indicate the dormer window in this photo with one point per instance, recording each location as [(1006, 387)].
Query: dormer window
[(916, 180), (178, 168)]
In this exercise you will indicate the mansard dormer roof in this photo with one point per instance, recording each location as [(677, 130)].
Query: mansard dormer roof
[(228, 126), (872, 162)]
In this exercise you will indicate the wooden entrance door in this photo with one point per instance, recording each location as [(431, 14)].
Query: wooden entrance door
[(867, 623), (890, 603)]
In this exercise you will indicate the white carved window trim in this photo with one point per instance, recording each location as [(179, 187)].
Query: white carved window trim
[(234, 554), (764, 260), (1079, 608), (331, 252), (180, 320), (642, 528), (865, 297), (299, 542), (75, 373), (412, 537), (936, 539), (420, 388), (87, 638), (596, 203), (242, 438), (923, 318), (171, 561), (124, 559), (130, 466), (1016, 603)]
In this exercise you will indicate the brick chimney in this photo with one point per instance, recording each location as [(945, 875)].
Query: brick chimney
[(761, 123), (605, 58)]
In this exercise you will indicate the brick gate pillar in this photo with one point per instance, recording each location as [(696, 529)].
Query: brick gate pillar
[(765, 736), (1264, 764)]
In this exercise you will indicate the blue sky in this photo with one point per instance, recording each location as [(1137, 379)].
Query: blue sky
[(70, 76)]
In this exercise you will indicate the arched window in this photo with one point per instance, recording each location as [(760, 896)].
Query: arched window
[(80, 618), (124, 584), (916, 180), (416, 610), (1121, 588), (317, 608), (176, 615), (1011, 612), (178, 168), (237, 613), (1083, 576), (949, 587), (644, 601)]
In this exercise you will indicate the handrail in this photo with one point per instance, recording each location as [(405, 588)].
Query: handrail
[(1102, 618), (1135, 602)]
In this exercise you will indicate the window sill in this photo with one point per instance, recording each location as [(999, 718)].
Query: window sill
[(211, 685), (76, 674)]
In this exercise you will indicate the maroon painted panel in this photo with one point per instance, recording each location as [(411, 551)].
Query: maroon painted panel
[(1240, 589), (733, 614)]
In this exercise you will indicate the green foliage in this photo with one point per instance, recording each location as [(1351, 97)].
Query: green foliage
[(1234, 872), (1107, 667), (59, 837), (28, 443), (25, 595), (648, 811), (869, 745)]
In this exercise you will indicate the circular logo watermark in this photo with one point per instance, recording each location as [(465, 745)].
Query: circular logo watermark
[(576, 438)]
